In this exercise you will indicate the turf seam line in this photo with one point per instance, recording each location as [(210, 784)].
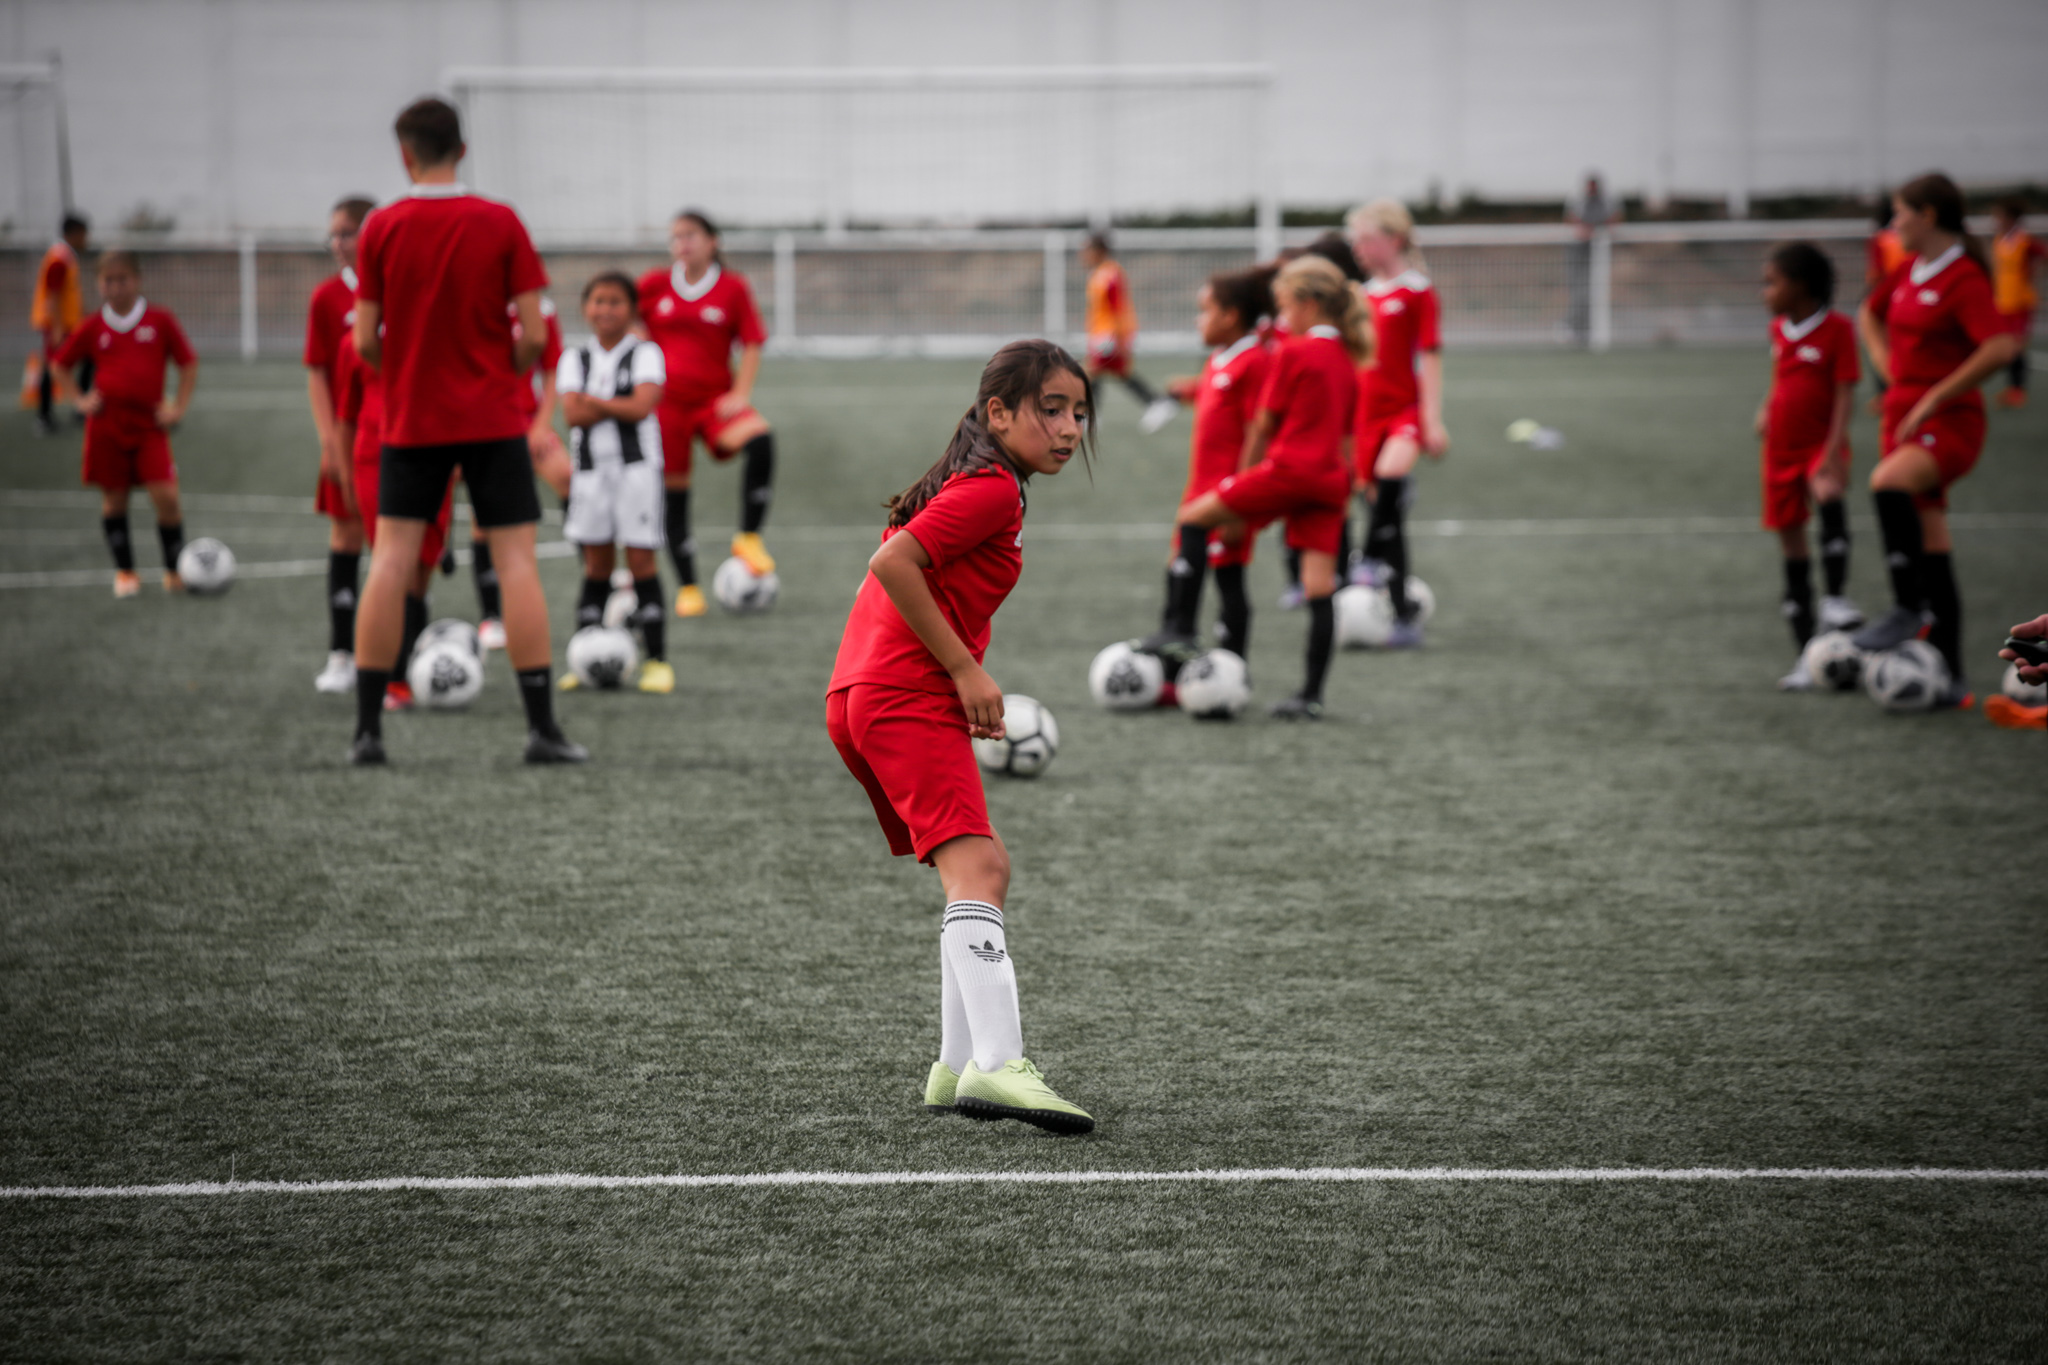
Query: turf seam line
[(1336, 1175)]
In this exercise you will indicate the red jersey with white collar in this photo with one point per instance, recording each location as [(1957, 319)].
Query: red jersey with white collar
[(1313, 387), (130, 355), (445, 264), (550, 356), (1808, 361), (973, 532), (329, 317), (1404, 325), (1226, 396), (696, 326), (1936, 314)]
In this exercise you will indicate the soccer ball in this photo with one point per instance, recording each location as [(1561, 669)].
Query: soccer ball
[(1030, 739), (602, 656), (207, 566), (1125, 678), (445, 676), (1832, 660), (1422, 598), (620, 606), (1909, 678), (2026, 694), (739, 589), (449, 630), (1365, 616), (1214, 686)]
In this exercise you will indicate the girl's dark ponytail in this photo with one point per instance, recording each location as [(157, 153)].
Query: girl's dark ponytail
[(1935, 191)]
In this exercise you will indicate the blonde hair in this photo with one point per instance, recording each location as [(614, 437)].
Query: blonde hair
[(1390, 216), (1323, 284)]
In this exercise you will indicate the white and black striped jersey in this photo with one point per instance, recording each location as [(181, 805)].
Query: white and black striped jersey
[(613, 374)]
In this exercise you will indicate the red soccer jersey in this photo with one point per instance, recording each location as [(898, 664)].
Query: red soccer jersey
[(1404, 325), (445, 264), (973, 531), (696, 327), (1936, 313), (1808, 360), (359, 398), (329, 317), (1313, 386), (1227, 395), (129, 355), (550, 357)]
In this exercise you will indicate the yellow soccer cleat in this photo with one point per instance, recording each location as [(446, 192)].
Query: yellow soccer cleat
[(568, 682), (657, 676), (689, 600), (939, 1088), (1017, 1090), (748, 548), (126, 583)]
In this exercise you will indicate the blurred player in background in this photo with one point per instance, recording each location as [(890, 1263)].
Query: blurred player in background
[(55, 310), (610, 391), (128, 421), (330, 323), (1113, 330), (1400, 399), (1935, 334), (697, 311), (1883, 254), (1804, 426), (908, 694), (2015, 254), (1332, 247), (550, 462)]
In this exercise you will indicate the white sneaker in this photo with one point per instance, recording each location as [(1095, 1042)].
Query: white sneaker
[(1798, 680), (490, 634), (339, 675), (1158, 413), (1839, 613)]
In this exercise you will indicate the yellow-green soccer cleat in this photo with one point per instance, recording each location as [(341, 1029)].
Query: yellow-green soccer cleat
[(1016, 1090), (938, 1088)]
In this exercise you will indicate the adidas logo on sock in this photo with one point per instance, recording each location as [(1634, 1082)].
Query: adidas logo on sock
[(344, 599), (986, 951)]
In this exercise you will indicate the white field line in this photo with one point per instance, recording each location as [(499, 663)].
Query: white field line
[(269, 568), (1319, 1175)]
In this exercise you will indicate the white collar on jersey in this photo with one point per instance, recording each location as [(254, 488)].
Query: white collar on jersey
[(690, 293), (439, 189), (120, 322), (1924, 270), (1325, 331), (1407, 279), (1233, 350), (1801, 331), (348, 277)]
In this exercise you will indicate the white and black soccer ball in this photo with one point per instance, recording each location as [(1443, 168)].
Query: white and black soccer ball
[(449, 630), (739, 589), (2025, 693), (1214, 686), (620, 606), (445, 676), (602, 656), (1911, 677), (1832, 660), (1423, 598), (1365, 616), (207, 567), (1125, 678), (1030, 739)]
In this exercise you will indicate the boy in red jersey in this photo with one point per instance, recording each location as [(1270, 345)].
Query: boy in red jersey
[(1113, 330), (435, 273), (1225, 397), (330, 320), (697, 311), (908, 693), (1935, 334), (2015, 253), (1297, 456), (1804, 426), (550, 461), (55, 309), (128, 420)]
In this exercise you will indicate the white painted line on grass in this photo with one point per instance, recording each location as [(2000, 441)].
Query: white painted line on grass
[(1314, 1175), (269, 568)]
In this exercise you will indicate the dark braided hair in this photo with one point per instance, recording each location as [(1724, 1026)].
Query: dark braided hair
[(1807, 266)]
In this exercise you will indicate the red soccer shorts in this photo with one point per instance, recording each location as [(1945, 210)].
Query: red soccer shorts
[(1954, 436), (436, 538), (1313, 505), (122, 451), (1375, 431), (910, 751), (683, 425), (1787, 496), (328, 502), (1105, 356)]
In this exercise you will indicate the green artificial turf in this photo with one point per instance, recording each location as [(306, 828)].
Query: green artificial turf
[(1572, 887)]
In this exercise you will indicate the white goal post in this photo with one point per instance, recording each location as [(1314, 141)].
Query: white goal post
[(35, 150)]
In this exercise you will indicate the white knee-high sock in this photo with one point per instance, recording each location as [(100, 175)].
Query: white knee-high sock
[(956, 1038), (972, 939)]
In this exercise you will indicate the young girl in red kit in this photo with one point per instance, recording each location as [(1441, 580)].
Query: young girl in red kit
[(908, 693)]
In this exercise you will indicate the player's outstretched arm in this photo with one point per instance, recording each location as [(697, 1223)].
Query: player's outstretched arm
[(899, 567)]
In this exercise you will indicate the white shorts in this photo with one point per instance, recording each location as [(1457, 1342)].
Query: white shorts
[(616, 504)]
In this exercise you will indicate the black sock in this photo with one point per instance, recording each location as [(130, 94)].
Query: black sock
[(1184, 580), (1343, 549), (371, 684), (1140, 389), (1798, 604), (590, 602), (1387, 540), (2016, 373), (172, 538), (1322, 635), (650, 617), (1235, 619), (342, 567), (1899, 519), (757, 480), (115, 529), (46, 393), (1293, 567), (415, 622), (1834, 545), (539, 697), (1943, 599), (682, 548), (489, 600)]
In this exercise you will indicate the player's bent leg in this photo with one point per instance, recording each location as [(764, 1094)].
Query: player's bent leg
[(1896, 485), (748, 436)]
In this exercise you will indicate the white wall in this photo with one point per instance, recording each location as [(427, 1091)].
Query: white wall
[(254, 114)]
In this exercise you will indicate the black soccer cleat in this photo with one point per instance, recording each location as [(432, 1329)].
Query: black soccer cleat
[(1297, 707), (1167, 640), (1891, 630), (554, 748), (367, 751)]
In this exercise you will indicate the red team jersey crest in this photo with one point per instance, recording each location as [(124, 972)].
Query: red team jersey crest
[(1808, 360), (697, 326)]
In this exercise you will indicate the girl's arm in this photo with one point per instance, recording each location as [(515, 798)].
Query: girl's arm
[(1258, 436), (899, 567), (1430, 379), (544, 416), (344, 474), (173, 412), (320, 394), (1874, 343), (1994, 355), (580, 410), (742, 390), (1837, 446), (632, 408), (1763, 410)]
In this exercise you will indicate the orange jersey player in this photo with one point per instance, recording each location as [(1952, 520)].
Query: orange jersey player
[(2015, 253), (55, 310), (1113, 330)]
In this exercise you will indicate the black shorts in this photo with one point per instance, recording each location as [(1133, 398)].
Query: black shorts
[(412, 480)]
